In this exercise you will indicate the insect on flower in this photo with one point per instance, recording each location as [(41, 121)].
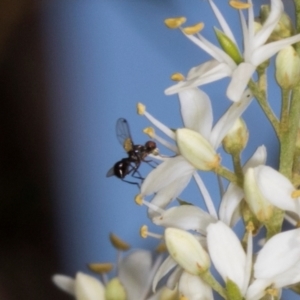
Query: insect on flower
[(136, 154)]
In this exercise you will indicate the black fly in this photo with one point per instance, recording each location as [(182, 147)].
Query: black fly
[(136, 154)]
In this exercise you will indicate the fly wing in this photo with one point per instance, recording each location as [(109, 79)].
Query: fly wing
[(110, 172), (123, 134)]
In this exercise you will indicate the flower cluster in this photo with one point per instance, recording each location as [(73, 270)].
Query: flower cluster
[(258, 196)]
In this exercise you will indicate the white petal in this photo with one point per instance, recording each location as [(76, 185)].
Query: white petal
[(258, 158), (65, 283), (187, 217), (168, 264), (88, 288), (226, 122), (229, 209), (222, 21), (201, 75), (240, 78), (277, 189), (194, 288), (266, 51), (174, 277), (196, 111), (134, 272), (276, 11), (227, 253), (279, 254), (171, 170), (289, 277), (257, 289)]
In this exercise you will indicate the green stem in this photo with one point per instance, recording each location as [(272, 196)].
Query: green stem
[(222, 171), (236, 159), (215, 285), (262, 101), (289, 136)]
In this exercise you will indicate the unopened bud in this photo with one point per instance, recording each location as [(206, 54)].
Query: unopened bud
[(284, 27), (258, 204), (187, 251), (115, 290), (287, 68), (237, 137), (197, 150), (228, 46)]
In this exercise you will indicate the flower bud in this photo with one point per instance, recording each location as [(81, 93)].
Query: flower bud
[(197, 150), (284, 27), (236, 138), (287, 67), (114, 290), (186, 251), (258, 204), (228, 46)]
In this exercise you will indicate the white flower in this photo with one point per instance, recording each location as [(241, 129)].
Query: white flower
[(83, 287), (171, 177), (277, 189), (135, 273), (277, 264), (256, 51), (229, 211)]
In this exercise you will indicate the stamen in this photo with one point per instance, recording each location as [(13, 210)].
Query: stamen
[(140, 108), (161, 248), (177, 77), (140, 201), (100, 268), (182, 297), (145, 233), (273, 292), (174, 23), (149, 131), (118, 243), (295, 194), (239, 5), (193, 29), (250, 227)]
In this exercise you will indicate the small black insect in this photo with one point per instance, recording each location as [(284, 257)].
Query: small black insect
[(136, 154)]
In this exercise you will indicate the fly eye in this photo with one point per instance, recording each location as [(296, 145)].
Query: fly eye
[(150, 145)]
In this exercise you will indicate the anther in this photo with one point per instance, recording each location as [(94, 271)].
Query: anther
[(100, 268), (177, 77), (250, 227), (161, 248), (118, 243), (139, 199), (239, 5), (174, 23), (149, 131), (144, 231), (295, 194), (193, 29), (141, 108)]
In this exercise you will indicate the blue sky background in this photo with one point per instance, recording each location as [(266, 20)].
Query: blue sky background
[(103, 57)]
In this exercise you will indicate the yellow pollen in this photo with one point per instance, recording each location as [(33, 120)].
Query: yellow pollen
[(138, 199), (250, 227), (193, 29), (177, 77), (239, 4), (295, 194), (118, 243), (161, 248), (144, 231), (272, 292), (100, 268), (140, 108), (174, 23), (149, 131), (182, 297)]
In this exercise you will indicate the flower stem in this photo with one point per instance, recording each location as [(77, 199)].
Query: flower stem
[(215, 285), (262, 101), (222, 171)]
